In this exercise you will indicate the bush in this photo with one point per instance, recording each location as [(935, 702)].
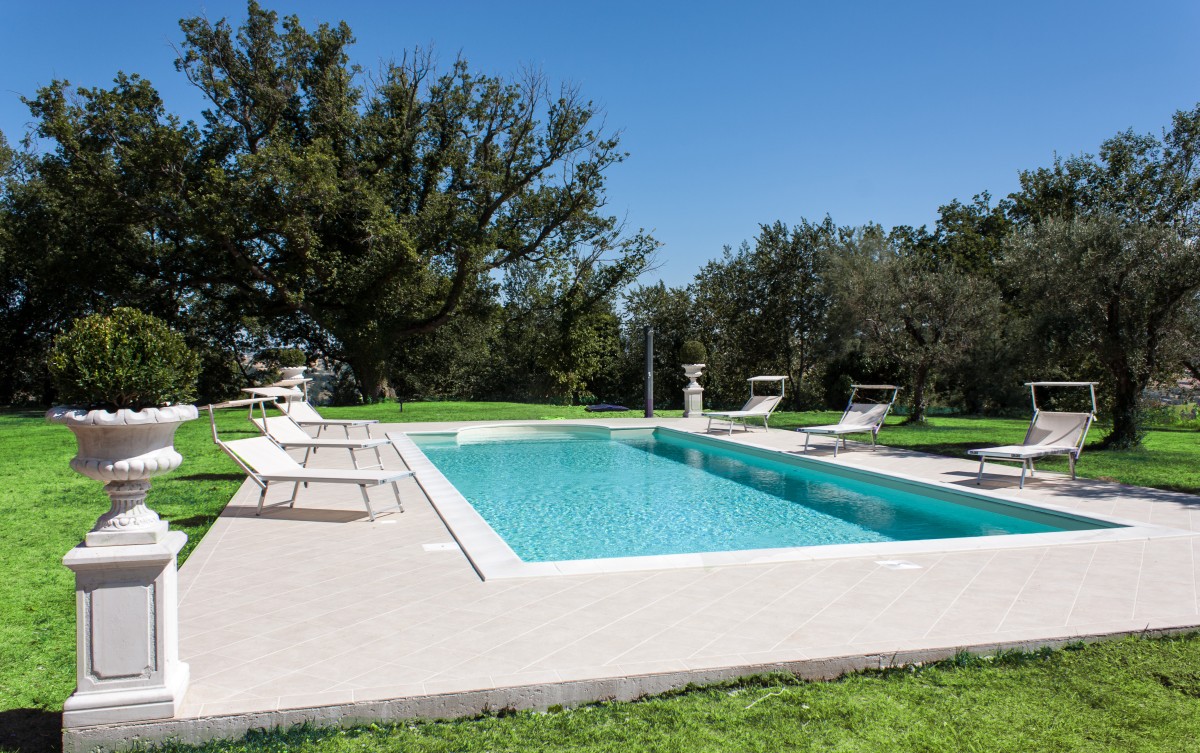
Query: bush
[(692, 352), (125, 360), (283, 357)]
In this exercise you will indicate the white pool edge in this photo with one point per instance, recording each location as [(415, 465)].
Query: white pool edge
[(493, 559)]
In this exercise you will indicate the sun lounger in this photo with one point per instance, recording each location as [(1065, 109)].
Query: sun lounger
[(267, 463), (1050, 433), (287, 434), (858, 418), (302, 412), (758, 406)]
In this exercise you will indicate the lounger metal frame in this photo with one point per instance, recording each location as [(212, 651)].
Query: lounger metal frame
[(264, 480), (1027, 460), (873, 430), (741, 415)]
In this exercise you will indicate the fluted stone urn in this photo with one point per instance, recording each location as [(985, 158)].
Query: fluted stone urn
[(292, 372), (125, 449)]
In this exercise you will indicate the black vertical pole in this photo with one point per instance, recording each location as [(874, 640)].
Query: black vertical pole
[(649, 370)]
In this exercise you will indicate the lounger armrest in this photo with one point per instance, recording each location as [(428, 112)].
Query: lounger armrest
[(1022, 452), (334, 444), (322, 475), (837, 429), (338, 422)]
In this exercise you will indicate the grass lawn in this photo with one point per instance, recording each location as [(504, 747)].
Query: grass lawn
[(1133, 695)]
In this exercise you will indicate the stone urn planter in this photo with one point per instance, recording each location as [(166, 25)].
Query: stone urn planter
[(292, 372), (135, 377), (125, 449), (693, 393)]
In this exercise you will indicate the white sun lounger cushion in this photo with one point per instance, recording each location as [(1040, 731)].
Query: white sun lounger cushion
[(859, 418), (1051, 433), (303, 413), (1019, 451), (270, 463), (759, 405), (285, 431)]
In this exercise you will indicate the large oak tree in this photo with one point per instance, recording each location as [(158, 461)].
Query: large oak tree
[(346, 210)]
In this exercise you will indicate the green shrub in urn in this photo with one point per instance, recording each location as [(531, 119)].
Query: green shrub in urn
[(692, 352), (292, 357), (127, 359)]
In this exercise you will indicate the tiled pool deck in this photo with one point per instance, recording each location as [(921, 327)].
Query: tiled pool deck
[(315, 614)]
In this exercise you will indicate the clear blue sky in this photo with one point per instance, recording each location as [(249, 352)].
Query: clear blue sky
[(734, 114)]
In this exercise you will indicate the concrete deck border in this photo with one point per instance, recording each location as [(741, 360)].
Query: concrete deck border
[(538, 697)]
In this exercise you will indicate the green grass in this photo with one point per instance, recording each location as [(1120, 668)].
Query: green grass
[(48, 508)]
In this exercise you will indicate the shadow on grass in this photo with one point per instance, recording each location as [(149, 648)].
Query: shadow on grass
[(194, 521), (212, 477), (30, 731)]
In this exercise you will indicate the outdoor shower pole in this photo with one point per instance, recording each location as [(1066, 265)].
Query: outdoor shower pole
[(649, 370)]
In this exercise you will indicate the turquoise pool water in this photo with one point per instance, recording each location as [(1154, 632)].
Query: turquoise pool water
[(586, 497)]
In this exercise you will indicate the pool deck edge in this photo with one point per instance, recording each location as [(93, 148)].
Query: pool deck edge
[(542, 696)]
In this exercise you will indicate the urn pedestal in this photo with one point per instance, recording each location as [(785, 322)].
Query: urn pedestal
[(693, 393), (127, 620)]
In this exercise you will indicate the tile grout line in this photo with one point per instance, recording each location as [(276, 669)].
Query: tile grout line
[(823, 609), (1024, 585), (1079, 589), (900, 596), (959, 595)]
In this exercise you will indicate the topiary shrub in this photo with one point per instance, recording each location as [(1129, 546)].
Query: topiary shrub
[(692, 352), (291, 358), (282, 357), (127, 359)]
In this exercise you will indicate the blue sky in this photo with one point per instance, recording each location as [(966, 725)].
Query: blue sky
[(733, 114)]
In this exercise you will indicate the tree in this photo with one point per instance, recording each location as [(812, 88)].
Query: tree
[(765, 307), (669, 310), (1138, 178), (348, 214), (1098, 287), (560, 332), (921, 317)]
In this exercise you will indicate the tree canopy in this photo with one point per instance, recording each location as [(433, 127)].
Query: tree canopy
[(444, 233), (344, 211)]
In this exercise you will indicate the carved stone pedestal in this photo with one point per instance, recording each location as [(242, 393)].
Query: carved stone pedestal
[(693, 393), (127, 633)]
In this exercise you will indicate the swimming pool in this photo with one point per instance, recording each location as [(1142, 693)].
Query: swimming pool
[(566, 493)]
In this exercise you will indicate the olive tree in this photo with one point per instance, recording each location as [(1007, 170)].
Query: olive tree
[(1103, 290), (919, 316)]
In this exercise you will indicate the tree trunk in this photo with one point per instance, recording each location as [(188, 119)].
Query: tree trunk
[(1127, 430), (916, 407), (371, 375)]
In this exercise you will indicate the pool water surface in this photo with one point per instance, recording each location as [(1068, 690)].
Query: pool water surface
[(583, 496)]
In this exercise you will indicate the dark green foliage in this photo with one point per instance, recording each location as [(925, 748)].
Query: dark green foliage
[(692, 351), (283, 357), (124, 360), (1111, 298), (765, 310)]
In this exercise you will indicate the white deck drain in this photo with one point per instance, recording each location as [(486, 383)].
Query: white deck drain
[(450, 547), (898, 564)]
